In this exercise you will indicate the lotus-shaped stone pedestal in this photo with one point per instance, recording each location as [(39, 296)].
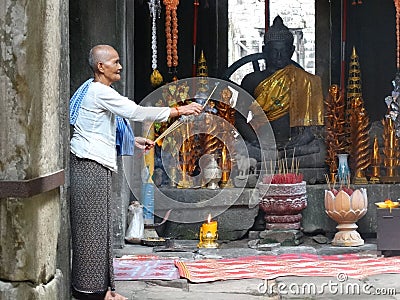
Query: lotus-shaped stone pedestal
[(346, 209)]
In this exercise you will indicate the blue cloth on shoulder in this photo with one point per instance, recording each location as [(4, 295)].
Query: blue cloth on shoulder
[(125, 139), (76, 101)]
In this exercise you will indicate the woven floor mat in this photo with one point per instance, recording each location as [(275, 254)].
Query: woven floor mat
[(271, 266)]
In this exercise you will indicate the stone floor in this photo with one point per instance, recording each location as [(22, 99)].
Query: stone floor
[(385, 286)]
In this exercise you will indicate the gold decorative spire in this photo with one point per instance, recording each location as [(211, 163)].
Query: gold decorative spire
[(359, 137), (202, 69), (390, 152), (375, 162), (187, 165), (226, 112), (353, 88), (335, 128), (354, 80)]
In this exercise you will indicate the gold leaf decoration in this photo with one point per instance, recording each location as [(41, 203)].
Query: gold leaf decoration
[(335, 127), (360, 142)]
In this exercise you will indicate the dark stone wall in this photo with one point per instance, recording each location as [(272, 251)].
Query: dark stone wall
[(323, 43), (97, 22), (211, 38), (372, 31)]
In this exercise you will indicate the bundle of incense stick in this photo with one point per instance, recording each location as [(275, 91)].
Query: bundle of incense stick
[(341, 182), (179, 122), (285, 175), (167, 131)]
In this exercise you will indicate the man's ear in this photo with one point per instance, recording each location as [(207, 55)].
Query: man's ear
[(100, 67)]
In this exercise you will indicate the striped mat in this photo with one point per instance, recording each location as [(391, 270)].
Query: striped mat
[(271, 266)]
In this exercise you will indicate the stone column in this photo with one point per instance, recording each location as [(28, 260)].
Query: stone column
[(31, 165)]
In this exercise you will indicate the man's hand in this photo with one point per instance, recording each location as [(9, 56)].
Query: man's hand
[(143, 143), (191, 109), (186, 110)]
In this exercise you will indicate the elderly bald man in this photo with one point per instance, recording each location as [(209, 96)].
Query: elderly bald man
[(93, 110)]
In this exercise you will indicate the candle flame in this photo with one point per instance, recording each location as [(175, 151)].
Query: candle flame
[(209, 218)]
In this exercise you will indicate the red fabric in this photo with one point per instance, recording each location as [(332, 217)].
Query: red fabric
[(270, 267)]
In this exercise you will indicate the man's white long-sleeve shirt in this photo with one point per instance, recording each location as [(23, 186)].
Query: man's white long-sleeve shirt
[(95, 129)]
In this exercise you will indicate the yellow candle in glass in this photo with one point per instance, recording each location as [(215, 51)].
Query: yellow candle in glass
[(208, 234), (210, 226)]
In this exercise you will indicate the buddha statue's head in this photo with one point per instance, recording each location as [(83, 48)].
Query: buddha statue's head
[(278, 46)]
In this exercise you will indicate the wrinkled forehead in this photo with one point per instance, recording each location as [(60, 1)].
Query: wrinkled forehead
[(106, 53)]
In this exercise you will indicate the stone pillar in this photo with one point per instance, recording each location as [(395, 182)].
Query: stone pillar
[(64, 237), (31, 164)]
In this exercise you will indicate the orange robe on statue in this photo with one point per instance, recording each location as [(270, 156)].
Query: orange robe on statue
[(294, 91)]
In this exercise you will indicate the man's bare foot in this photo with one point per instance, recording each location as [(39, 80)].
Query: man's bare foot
[(111, 295)]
